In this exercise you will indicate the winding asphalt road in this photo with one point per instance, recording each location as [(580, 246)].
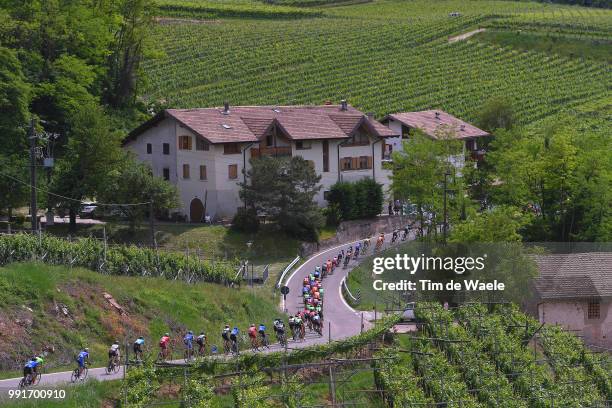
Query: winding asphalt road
[(341, 321)]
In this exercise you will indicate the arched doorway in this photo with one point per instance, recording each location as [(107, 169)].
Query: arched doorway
[(196, 210)]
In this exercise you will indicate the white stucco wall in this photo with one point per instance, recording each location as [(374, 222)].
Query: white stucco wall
[(163, 132), (572, 315)]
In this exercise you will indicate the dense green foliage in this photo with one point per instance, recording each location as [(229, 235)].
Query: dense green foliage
[(558, 174), (284, 189), (116, 260), (355, 200)]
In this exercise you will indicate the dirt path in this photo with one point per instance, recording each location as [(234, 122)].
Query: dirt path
[(465, 36)]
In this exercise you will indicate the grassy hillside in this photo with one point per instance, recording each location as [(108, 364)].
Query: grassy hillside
[(91, 394), (383, 56), (42, 305)]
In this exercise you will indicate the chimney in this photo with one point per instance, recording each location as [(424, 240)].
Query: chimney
[(226, 108), (343, 105), (437, 115), (462, 127)]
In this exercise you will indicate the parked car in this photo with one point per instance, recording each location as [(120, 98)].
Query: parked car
[(88, 211)]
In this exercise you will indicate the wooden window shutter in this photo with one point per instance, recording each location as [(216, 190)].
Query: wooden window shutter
[(369, 162), (202, 172), (233, 171), (185, 171), (355, 162)]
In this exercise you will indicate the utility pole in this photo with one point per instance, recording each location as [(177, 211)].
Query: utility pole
[(33, 209), (445, 225), (152, 224)]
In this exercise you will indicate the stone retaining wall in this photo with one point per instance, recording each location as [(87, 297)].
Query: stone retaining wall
[(350, 231)]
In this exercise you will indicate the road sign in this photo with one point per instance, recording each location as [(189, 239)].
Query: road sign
[(284, 290)]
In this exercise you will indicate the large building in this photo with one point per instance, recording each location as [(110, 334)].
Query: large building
[(205, 151)]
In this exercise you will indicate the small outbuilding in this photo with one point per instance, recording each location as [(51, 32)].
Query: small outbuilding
[(575, 291)]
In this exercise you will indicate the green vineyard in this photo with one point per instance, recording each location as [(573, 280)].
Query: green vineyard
[(384, 56), (476, 358)]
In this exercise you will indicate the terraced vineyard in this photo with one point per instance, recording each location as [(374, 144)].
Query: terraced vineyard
[(382, 56), (473, 358)]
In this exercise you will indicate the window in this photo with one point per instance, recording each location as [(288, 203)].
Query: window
[(149, 148), (166, 148), (185, 142), (166, 173), (202, 172), (325, 156), (231, 148), (269, 140), (365, 162), (185, 171), (232, 171), (594, 311), (470, 145), (346, 163), (302, 145), (358, 139), (405, 132), (201, 144)]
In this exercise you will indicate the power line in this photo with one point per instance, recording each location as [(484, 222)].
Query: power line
[(70, 198)]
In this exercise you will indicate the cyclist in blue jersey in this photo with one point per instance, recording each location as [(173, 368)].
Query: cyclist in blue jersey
[(29, 370), (82, 357), (188, 340), (138, 344), (234, 339)]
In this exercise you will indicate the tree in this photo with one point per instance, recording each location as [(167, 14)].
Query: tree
[(418, 176), (128, 50), (134, 183), (502, 224), (560, 175), (14, 100), (13, 193), (92, 156), (496, 113), (284, 189)]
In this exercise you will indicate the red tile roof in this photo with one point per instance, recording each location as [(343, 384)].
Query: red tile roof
[(430, 124), (250, 123)]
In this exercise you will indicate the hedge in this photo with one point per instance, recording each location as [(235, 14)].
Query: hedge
[(119, 260)]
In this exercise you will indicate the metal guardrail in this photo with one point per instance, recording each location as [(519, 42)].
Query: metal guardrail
[(287, 269), (354, 299)]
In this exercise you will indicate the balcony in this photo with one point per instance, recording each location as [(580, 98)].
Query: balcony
[(278, 151)]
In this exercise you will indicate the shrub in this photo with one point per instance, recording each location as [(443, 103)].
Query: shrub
[(245, 220), (360, 199)]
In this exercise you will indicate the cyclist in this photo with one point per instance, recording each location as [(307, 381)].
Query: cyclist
[(81, 358), (29, 370), (234, 339), (394, 236), (40, 361), (366, 244), (138, 344), (292, 327), (405, 235), (188, 341), (324, 268), (264, 337), (163, 345), (279, 329), (225, 334), (316, 323), (299, 326), (357, 248), (201, 340), (113, 353), (253, 336)]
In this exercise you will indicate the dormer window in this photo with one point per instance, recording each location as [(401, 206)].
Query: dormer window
[(358, 139)]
